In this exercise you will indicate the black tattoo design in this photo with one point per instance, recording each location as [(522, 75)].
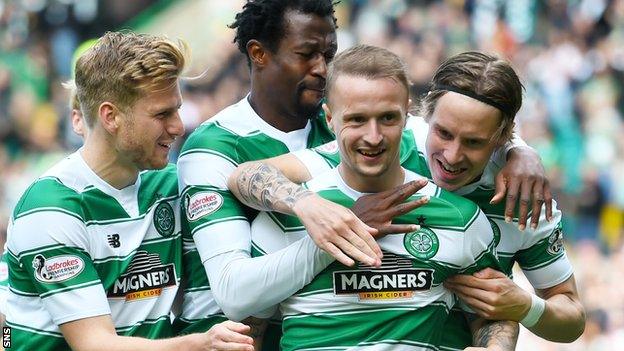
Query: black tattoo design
[(265, 188), (501, 333)]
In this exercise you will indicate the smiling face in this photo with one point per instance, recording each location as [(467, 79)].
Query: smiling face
[(298, 68), (148, 128), (460, 140), (368, 117)]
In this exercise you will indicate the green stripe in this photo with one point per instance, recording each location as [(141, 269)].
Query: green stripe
[(129, 219), (147, 321), (194, 272), (92, 205), (256, 250), (198, 188), (416, 326), (201, 288), (248, 134), (285, 222), (542, 265), (183, 326)]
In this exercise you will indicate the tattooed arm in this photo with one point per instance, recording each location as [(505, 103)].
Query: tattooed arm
[(257, 328), (493, 335), (264, 187), (334, 228)]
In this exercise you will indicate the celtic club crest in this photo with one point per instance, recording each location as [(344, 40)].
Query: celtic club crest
[(422, 244), (164, 220)]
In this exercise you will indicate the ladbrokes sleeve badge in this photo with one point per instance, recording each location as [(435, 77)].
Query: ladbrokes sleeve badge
[(57, 269)]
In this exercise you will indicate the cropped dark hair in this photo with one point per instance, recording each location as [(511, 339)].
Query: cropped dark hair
[(484, 76), (263, 20)]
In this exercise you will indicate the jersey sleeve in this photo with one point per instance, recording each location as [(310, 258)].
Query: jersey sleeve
[(479, 246), (320, 159), (542, 257), (314, 162), (251, 286), (215, 219), (51, 263)]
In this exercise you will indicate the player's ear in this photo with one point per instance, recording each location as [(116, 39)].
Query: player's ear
[(328, 117), (257, 53), (109, 116)]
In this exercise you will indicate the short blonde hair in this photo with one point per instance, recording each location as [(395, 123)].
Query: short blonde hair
[(367, 61), (74, 104), (122, 66)]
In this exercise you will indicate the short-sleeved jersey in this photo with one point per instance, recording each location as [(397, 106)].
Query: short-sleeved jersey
[(402, 304), (215, 221), (540, 253), (80, 248)]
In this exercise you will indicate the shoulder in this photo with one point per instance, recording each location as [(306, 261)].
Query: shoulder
[(447, 210), (57, 190), (163, 181), (222, 133)]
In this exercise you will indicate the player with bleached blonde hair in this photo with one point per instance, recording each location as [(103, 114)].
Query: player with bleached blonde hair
[(95, 248)]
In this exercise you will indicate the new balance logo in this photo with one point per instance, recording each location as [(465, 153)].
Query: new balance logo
[(113, 241)]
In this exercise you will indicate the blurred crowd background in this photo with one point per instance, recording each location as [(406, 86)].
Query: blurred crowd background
[(570, 54)]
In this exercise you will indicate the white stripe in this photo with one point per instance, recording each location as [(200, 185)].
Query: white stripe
[(199, 304), (192, 170), (129, 313), (553, 274)]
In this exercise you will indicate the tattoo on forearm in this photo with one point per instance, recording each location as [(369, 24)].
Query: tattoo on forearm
[(257, 327), (501, 333), (264, 187)]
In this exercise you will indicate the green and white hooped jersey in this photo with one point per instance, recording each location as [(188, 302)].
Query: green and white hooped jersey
[(80, 248), (215, 221), (400, 305), (540, 253)]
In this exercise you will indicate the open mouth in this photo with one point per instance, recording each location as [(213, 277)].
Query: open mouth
[(371, 153), (450, 170), (166, 146)]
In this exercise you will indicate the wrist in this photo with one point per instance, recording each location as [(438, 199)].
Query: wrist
[(302, 199), (516, 150), (535, 312)]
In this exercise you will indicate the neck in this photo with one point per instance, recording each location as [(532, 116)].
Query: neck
[(271, 109), (101, 156), (393, 177)]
